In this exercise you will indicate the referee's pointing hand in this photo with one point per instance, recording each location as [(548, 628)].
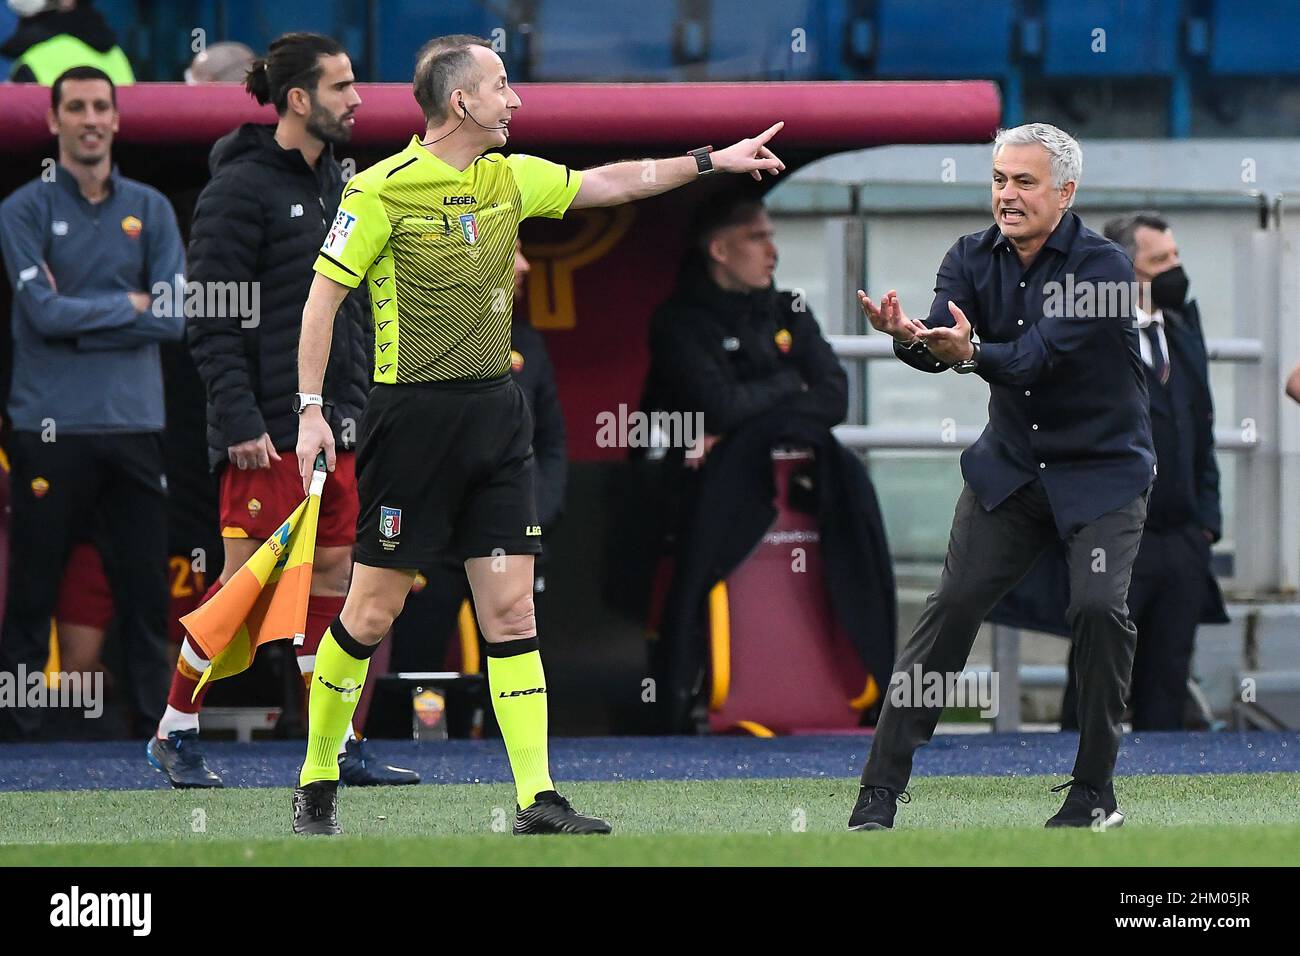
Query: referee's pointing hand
[(750, 155), (314, 436)]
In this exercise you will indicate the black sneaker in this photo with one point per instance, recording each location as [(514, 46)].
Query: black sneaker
[(316, 809), (1087, 806), (551, 813), (358, 769), (876, 807), (180, 759)]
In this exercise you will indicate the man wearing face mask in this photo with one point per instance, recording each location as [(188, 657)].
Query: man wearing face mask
[(1173, 588)]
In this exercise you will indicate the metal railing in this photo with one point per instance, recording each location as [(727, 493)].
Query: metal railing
[(895, 437)]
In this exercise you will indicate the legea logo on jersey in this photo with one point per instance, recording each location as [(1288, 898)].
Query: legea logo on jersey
[(339, 233), (390, 521), (469, 226)]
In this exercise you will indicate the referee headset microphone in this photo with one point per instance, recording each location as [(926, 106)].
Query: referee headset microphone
[(462, 105)]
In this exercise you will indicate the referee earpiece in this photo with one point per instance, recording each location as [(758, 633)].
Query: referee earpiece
[(467, 115)]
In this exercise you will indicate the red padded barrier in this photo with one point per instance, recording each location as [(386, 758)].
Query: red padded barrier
[(831, 116)]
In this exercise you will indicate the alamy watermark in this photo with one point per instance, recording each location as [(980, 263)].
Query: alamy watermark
[(78, 908), (75, 691), (921, 688), (209, 300), (653, 430), (1090, 300)]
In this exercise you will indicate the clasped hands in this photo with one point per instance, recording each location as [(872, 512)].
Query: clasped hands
[(950, 344)]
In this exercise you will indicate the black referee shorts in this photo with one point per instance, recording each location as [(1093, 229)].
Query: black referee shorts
[(445, 471)]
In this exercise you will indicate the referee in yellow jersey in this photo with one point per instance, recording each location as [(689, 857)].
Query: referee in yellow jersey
[(445, 464)]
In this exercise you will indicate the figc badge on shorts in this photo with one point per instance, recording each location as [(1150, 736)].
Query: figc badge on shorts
[(390, 521)]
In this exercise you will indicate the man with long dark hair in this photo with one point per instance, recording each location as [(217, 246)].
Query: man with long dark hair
[(257, 226)]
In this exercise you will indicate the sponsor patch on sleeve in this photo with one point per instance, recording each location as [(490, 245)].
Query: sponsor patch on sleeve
[(339, 233)]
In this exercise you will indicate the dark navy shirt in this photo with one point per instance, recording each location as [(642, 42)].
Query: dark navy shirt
[(83, 357), (1068, 399)]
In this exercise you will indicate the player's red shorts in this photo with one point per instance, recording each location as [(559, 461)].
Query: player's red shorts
[(85, 598), (254, 503)]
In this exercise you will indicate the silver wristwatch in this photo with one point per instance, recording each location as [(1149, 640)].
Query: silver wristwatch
[(972, 363)]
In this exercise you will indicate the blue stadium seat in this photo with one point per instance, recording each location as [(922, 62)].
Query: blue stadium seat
[(1254, 39), (172, 39), (8, 23), (607, 40), (755, 40), (403, 26), (1141, 38), (120, 14), (974, 40), (257, 23)]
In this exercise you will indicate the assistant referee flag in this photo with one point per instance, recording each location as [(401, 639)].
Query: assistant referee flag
[(266, 599)]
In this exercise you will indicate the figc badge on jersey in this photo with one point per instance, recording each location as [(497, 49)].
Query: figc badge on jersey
[(469, 226)]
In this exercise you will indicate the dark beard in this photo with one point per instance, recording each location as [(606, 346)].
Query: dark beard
[(327, 128)]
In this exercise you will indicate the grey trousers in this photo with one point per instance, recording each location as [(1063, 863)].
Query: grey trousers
[(988, 553)]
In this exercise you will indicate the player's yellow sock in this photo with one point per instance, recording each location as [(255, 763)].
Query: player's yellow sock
[(518, 688), (339, 676)]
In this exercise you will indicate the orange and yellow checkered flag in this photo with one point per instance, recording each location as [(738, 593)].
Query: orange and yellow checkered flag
[(266, 599)]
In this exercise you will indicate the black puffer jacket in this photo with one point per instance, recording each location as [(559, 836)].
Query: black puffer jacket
[(262, 218)]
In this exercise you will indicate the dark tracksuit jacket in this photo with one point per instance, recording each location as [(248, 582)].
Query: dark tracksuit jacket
[(759, 369), (262, 218), (1173, 588), (86, 404)]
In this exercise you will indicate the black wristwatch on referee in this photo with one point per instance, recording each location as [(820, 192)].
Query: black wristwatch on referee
[(703, 162)]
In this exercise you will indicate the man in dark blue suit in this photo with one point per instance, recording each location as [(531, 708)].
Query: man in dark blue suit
[(1173, 588), (1067, 455)]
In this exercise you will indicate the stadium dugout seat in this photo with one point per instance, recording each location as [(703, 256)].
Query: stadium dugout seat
[(403, 26), (974, 42), (605, 41), (779, 663), (1255, 39), (754, 40), (258, 23), (1141, 39)]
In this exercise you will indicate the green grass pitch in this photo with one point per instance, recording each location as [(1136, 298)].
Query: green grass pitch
[(1194, 820)]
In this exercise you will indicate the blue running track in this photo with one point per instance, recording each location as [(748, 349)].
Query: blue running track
[(122, 766)]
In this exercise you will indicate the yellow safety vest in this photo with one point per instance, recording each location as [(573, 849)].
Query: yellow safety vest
[(51, 57)]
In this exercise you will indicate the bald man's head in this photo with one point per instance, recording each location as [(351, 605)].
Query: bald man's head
[(227, 62)]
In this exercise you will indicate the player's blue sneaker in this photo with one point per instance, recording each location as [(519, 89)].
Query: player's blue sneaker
[(179, 758), (551, 813), (358, 768), (1087, 806), (876, 807)]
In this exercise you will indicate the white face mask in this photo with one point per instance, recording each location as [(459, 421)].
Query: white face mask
[(28, 8)]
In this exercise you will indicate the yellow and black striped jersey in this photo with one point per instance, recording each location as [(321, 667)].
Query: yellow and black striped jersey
[(436, 248)]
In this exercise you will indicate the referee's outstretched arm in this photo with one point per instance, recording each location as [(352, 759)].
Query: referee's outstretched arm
[(628, 181)]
